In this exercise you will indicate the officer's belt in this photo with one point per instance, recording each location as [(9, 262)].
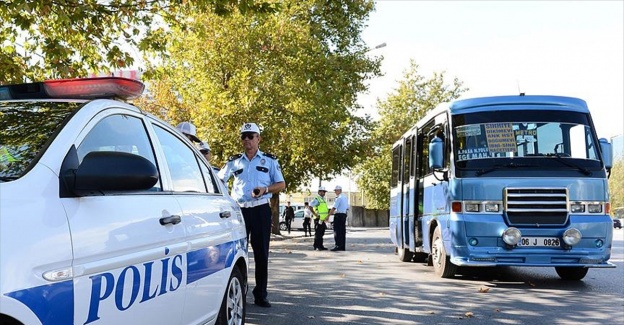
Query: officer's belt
[(254, 203)]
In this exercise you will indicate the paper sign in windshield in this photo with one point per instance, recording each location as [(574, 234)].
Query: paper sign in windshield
[(500, 137)]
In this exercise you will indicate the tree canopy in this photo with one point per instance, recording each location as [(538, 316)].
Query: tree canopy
[(295, 72), (414, 96), (42, 39)]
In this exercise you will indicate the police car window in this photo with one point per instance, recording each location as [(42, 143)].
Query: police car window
[(25, 129), (183, 165), (209, 179), (119, 133)]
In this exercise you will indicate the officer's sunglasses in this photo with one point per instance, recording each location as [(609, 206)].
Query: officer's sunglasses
[(248, 136)]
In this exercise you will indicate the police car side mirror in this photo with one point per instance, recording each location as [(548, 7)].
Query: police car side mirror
[(104, 171)]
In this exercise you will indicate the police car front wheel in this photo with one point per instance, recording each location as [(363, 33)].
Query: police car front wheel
[(232, 309)]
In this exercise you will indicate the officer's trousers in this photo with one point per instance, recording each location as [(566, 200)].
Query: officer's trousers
[(258, 224), (318, 235), (340, 230)]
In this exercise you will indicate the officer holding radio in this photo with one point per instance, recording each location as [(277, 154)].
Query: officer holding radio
[(257, 175)]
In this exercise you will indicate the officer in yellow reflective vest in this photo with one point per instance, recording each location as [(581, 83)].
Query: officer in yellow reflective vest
[(321, 212)]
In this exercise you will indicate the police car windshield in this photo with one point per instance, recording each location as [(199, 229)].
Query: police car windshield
[(26, 127)]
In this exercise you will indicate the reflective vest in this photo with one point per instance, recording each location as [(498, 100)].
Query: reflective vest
[(322, 208)]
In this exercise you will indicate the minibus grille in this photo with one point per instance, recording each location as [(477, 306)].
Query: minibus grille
[(536, 206)]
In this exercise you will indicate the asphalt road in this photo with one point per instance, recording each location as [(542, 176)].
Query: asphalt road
[(367, 284)]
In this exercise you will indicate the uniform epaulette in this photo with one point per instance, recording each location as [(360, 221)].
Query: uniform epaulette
[(234, 157), (270, 155)]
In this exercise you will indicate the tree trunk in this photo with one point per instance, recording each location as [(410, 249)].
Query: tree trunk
[(275, 214)]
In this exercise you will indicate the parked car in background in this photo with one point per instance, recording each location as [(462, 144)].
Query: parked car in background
[(296, 224), (617, 223)]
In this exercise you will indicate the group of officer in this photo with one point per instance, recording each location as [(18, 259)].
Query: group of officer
[(321, 213), (257, 175)]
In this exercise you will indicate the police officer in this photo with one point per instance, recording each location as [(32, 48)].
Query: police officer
[(339, 211), (204, 148), (189, 130), (321, 212), (256, 176)]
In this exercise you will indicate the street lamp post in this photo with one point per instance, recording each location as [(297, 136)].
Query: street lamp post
[(378, 46)]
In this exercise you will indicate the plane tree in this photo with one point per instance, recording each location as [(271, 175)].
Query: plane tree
[(43, 39), (295, 72)]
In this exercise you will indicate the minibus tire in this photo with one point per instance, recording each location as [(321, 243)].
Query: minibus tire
[(233, 306), (405, 255), (571, 273), (442, 265)]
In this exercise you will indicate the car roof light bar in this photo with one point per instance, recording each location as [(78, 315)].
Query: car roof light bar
[(80, 88)]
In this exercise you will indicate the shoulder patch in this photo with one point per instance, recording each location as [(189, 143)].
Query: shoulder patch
[(234, 157), (266, 154)]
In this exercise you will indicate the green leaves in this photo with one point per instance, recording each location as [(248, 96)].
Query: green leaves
[(279, 71), (42, 39)]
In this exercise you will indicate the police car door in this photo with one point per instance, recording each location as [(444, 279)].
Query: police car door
[(128, 249), (214, 228)]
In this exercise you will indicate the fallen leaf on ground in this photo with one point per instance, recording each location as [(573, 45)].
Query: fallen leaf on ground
[(469, 314), (484, 289)]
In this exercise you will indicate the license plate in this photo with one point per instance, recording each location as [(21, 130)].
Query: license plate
[(539, 242)]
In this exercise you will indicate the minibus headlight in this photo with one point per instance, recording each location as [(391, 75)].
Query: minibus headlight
[(492, 207), (472, 207), (594, 208), (511, 236), (572, 236), (577, 207)]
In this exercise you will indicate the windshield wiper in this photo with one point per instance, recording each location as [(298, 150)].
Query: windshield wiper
[(558, 157), (508, 165)]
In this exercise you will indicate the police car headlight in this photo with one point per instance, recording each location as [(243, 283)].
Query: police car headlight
[(572, 236), (511, 236)]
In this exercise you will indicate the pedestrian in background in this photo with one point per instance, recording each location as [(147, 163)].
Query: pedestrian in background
[(339, 210), (321, 212), (307, 220), (289, 215), (256, 176)]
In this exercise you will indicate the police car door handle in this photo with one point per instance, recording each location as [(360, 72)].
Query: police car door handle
[(174, 220), (225, 214)]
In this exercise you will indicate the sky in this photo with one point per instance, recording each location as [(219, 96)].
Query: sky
[(567, 48)]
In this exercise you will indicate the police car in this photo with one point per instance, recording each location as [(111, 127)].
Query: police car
[(109, 215)]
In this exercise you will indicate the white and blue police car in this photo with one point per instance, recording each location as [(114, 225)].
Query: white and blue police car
[(109, 215)]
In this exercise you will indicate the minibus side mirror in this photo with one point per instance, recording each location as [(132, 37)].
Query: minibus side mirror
[(607, 153), (436, 154)]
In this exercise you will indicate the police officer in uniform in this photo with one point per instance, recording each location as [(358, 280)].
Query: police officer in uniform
[(256, 176), (341, 205), (321, 212)]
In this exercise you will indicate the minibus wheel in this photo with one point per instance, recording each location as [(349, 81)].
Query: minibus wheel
[(442, 265), (571, 273)]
